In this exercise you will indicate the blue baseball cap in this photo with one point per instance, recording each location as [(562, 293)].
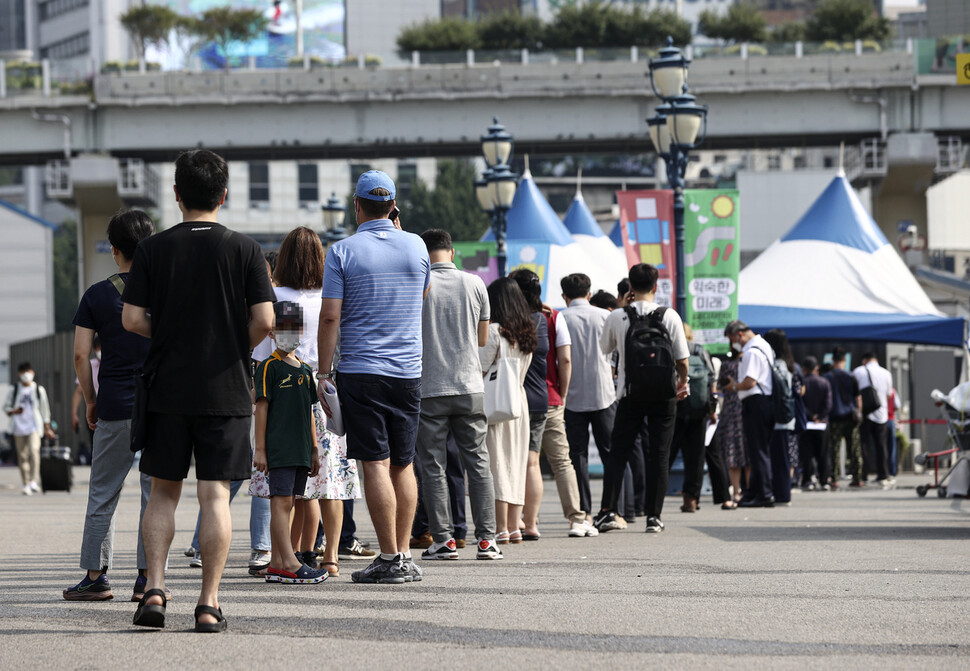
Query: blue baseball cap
[(374, 179)]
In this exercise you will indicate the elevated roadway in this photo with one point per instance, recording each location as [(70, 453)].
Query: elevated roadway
[(441, 110)]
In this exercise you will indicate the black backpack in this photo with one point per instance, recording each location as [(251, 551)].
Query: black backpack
[(650, 370), (782, 399)]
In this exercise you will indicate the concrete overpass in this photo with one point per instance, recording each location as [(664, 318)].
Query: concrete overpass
[(441, 110)]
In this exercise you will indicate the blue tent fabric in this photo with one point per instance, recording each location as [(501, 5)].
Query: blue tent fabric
[(616, 235), (803, 324), (532, 218), (827, 220), (580, 221)]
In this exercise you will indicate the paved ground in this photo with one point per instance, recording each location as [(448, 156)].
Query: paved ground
[(869, 579)]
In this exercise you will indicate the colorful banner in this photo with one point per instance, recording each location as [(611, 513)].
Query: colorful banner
[(712, 250), (532, 255), (477, 258), (647, 224)]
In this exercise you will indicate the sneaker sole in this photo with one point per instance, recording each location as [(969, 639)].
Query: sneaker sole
[(609, 526), (88, 596), (451, 556), (381, 581), (489, 556), (258, 571), (654, 530)]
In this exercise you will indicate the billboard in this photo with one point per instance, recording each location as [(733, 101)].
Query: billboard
[(646, 221), (322, 24)]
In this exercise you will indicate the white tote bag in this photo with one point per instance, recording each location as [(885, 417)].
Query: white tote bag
[(503, 400)]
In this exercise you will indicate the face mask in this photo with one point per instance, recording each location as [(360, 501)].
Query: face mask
[(287, 340), (26, 378), (736, 346)]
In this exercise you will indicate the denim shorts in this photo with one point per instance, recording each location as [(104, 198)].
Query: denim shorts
[(288, 481), (381, 416)]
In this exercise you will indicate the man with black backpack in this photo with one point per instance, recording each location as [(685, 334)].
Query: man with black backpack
[(757, 409), (844, 421), (690, 430), (651, 377)]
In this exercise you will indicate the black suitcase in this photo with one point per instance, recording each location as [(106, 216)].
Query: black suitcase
[(56, 469)]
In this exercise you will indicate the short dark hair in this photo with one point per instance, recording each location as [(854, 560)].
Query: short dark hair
[(271, 257), (623, 287), (809, 364), (376, 209), (838, 354), (643, 278), (24, 366), (201, 177), (300, 261), (605, 300), (531, 287), (735, 327), (575, 286), (127, 228), (869, 354), (437, 240)]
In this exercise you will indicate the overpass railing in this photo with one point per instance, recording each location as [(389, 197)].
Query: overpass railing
[(50, 78)]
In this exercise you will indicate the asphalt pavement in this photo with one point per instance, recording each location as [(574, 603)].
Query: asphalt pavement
[(868, 579)]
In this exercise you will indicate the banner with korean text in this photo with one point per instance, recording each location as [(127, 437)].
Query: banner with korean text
[(647, 224)]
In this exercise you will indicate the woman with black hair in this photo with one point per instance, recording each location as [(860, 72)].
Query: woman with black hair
[(783, 440), (512, 334), (538, 396)]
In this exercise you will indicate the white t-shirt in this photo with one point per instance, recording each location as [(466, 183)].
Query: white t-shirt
[(309, 301), (614, 337), (756, 365), (562, 331), (25, 423), (882, 381)]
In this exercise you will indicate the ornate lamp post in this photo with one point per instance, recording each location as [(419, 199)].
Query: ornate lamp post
[(333, 220), (674, 132), (496, 190)]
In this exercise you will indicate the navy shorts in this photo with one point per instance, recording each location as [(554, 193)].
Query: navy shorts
[(381, 416), (221, 446), (288, 481)]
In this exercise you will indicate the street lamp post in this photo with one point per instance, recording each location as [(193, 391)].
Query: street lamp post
[(674, 133), (333, 220), (495, 191)]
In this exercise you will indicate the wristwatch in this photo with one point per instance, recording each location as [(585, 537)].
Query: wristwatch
[(325, 376)]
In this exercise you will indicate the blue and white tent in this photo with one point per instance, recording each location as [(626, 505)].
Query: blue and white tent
[(537, 239), (835, 276), (584, 228), (616, 234)]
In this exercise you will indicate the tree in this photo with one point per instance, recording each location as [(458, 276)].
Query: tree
[(65, 276), (450, 206), (449, 34), (845, 21), (595, 24), (785, 33), (227, 26), (742, 23), (510, 30), (149, 25)]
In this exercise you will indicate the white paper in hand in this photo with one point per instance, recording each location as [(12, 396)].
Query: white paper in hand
[(335, 423)]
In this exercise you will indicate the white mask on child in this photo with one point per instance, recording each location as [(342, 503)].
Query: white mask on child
[(26, 378), (287, 341)]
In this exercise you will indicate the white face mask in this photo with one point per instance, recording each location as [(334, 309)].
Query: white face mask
[(27, 378), (287, 340), (736, 346)]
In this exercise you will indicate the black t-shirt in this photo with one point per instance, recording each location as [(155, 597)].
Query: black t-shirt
[(536, 390), (121, 352), (198, 281)]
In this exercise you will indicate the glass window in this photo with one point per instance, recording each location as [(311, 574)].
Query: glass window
[(259, 182), (309, 185), (407, 176), (356, 170)]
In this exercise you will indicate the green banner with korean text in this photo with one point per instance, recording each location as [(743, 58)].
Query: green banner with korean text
[(712, 251)]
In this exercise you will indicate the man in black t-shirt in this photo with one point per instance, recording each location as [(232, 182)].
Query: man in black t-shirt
[(201, 293)]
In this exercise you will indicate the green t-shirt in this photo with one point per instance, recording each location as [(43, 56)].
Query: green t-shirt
[(290, 393)]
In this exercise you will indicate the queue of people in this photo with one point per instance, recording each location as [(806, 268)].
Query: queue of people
[(208, 355)]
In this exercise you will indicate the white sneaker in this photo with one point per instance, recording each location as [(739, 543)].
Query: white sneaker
[(488, 550), (35, 487), (196, 561), (889, 483), (446, 550), (27, 490), (582, 530)]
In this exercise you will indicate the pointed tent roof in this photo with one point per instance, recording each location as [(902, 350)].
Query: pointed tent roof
[(835, 276), (532, 217), (580, 221), (616, 235)]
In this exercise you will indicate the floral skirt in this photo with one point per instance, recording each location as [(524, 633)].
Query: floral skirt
[(337, 478)]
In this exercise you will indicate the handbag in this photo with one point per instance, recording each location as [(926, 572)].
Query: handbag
[(139, 410), (503, 390), (870, 399)]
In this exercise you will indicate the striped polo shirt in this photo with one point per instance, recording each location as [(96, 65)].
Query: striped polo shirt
[(380, 273)]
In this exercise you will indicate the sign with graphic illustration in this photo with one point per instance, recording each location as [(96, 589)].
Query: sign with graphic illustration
[(533, 255), (477, 258), (647, 224), (712, 250)]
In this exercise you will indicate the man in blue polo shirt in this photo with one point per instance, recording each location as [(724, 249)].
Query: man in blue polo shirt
[(373, 285)]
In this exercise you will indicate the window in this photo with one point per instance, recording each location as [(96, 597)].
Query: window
[(799, 162), (309, 185), (52, 8), (407, 177), (774, 162), (76, 45), (258, 183), (828, 162), (356, 170)]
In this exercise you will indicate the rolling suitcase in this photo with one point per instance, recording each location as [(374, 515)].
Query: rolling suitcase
[(56, 469)]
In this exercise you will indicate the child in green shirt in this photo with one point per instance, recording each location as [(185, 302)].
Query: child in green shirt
[(286, 440)]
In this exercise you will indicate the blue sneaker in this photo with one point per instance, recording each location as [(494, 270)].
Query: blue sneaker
[(90, 590)]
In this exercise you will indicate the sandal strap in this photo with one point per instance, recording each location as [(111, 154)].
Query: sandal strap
[(155, 592), (209, 610)]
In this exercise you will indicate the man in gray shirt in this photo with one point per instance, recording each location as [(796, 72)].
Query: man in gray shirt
[(592, 397), (454, 325)]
